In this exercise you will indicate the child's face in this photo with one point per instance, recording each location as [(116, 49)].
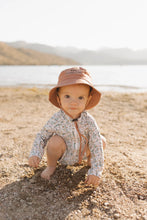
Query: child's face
[(74, 98)]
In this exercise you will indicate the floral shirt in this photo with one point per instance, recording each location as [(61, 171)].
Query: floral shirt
[(61, 124)]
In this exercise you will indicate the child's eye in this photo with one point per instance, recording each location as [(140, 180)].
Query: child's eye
[(81, 97), (67, 96)]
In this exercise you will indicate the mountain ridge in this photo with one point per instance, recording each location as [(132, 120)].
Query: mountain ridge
[(24, 56), (105, 56)]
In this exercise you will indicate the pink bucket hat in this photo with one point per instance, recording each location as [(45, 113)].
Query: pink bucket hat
[(72, 76)]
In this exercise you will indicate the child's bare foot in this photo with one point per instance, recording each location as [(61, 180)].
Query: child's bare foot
[(46, 174)]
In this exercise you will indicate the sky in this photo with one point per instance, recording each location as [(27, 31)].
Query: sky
[(85, 24)]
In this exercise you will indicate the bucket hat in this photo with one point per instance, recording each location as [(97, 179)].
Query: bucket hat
[(72, 76)]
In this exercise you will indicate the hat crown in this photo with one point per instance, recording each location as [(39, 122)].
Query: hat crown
[(74, 74)]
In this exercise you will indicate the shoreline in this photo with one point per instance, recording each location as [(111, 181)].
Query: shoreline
[(102, 88)]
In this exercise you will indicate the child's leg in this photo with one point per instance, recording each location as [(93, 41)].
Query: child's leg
[(55, 149)]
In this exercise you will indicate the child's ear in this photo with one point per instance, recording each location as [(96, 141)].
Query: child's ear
[(58, 100), (88, 100)]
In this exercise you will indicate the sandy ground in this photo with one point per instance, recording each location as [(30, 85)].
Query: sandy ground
[(122, 194)]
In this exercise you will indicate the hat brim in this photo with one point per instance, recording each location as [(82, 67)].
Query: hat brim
[(95, 95)]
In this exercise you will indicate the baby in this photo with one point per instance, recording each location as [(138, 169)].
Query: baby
[(71, 134)]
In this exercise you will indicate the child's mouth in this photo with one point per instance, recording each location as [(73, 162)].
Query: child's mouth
[(73, 108)]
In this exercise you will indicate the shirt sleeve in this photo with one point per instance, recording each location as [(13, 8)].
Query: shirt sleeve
[(41, 139), (96, 149)]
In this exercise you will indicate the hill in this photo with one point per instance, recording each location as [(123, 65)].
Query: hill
[(23, 56), (105, 56)]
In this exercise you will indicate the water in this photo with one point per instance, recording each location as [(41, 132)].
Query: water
[(105, 78)]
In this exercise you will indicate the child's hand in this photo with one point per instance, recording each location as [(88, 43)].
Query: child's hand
[(92, 179), (34, 161)]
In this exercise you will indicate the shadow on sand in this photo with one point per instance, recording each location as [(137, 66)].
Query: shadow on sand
[(35, 198)]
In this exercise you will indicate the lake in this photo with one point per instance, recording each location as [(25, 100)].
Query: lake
[(105, 78)]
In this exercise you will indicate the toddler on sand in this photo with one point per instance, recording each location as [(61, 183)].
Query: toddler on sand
[(71, 134)]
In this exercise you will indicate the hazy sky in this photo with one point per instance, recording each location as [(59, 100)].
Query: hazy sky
[(90, 24)]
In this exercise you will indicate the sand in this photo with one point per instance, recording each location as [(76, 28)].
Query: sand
[(122, 194)]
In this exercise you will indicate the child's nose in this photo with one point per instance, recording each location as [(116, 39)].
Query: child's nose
[(74, 102)]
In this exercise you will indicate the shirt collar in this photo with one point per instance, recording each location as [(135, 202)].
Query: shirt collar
[(69, 118)]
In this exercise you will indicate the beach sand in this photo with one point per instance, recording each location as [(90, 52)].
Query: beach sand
[(122, 119)]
